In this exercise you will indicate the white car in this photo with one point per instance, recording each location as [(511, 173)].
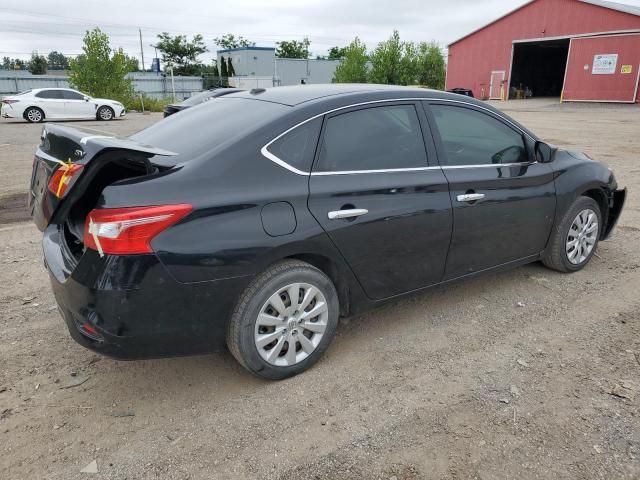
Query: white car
[(59, 103)]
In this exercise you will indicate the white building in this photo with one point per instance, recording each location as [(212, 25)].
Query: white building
[(259, 67)]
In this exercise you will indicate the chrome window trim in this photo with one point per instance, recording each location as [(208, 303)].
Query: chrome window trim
[(274, 158), (384, 170), (485, 165)]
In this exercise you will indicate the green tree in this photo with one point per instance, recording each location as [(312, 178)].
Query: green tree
[(181, 53), (336, 53), (132, 64), (223, 67), (229, 41), (293, 49), (57, 61), (37, 64), (431, 68), (100, 71), (408, 72), (386, 61), (353, 67), (6, 63), (230, 70)]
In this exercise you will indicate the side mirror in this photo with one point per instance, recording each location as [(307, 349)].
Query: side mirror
[(86, 99), (545, 152)]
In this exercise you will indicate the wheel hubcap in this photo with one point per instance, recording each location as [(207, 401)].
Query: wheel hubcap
[(105, 114), (582, 236), (291, 324), (34, 115)]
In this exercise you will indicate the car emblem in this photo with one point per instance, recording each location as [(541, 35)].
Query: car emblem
[(78, 153)]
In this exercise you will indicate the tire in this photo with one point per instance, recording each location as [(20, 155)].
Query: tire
[(559, 256), (263, 345), (105, 113), (33, 115)]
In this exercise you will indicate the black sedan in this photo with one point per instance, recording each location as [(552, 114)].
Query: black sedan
[(303, 205), (197, 99)]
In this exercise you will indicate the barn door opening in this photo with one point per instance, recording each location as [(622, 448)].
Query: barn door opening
[(538, 68)]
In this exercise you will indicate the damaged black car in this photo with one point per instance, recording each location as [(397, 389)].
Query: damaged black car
[(255, 221)]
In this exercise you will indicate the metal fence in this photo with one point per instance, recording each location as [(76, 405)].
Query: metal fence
[(156, 86)]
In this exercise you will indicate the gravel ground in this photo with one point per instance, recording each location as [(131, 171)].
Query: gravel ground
[(524, 374)]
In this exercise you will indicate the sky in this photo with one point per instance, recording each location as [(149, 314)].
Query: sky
[(45, 25)]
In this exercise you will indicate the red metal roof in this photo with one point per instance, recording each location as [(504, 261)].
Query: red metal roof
[(620, 7)]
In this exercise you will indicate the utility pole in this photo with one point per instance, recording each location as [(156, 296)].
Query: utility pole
[(141, 49)]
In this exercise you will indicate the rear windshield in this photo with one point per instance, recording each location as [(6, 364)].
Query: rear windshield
[(205, 127), (197, 98)]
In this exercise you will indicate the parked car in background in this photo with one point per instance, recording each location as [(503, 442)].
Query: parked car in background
[(462, 91), (305, 203), (41, 104), (197, 99)]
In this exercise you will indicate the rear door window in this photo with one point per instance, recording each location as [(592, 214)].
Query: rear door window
[(374, 138), (50, 94)]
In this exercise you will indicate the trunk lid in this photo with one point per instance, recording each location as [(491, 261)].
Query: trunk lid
[(62, 146)]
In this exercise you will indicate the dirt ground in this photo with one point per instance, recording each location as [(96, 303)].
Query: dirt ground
[(518, 375)]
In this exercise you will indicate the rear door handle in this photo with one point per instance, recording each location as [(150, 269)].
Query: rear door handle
[(470, 197), (351, 213)]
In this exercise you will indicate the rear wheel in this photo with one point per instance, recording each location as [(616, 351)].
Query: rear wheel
[(105, 113), (34, 115), (284, 320), (575, 240)]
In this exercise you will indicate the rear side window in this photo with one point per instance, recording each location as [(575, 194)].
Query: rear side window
[(298, 146), (376, 138), (57, 94), (472, 138)]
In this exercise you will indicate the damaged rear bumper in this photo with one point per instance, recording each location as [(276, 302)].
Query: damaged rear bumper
[(130, 307)]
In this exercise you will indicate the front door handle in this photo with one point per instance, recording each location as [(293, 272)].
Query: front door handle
[(350, 213), (470, 197)]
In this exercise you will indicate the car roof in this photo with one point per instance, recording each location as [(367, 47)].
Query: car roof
[(300, 94)]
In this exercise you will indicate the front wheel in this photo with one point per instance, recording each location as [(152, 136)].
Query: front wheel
[(284, 320), (574, 241), (105, 113)]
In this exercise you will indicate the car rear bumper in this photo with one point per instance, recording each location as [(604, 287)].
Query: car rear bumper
[(129, 307)]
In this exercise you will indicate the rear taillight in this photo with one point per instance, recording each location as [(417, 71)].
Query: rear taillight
[(64, 178), (9, 102), (125, 231)]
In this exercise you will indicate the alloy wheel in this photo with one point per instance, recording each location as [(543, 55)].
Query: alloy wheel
[(106, 113), (34, 115), (291, 324), (582, 236)]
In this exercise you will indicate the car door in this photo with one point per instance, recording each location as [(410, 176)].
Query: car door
[(51, 102), (384, 207), (76, 105), (503, 201)]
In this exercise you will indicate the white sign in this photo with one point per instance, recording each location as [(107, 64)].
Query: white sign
[(604, 64)]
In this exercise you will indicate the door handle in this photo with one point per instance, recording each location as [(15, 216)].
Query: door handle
[(470, 197), (350, 213)]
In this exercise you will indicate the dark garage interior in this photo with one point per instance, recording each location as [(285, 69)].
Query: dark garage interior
[(538, 68)]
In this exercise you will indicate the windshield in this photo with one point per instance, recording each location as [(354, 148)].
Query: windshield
[(208, 126)]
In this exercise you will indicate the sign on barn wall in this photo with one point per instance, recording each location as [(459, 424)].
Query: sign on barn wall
[(604, 64), (626, 69)]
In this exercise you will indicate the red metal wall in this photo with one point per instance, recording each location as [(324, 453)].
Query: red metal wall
[(472, 58), (581, 84)]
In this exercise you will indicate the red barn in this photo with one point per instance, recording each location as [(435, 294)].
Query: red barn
[(578, 50)]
